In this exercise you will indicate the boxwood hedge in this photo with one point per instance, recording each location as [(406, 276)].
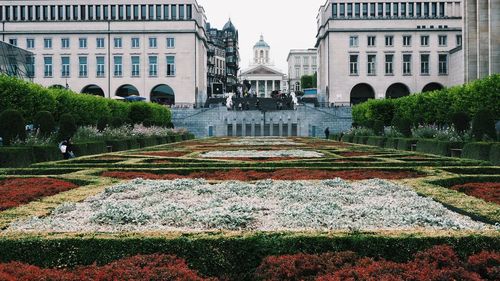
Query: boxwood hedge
[(477, 150), (437, 147)]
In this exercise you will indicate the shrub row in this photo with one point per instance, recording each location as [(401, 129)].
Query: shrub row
[(236, 257), (30, 98), (15, 157), (482, 151), (436, 107)]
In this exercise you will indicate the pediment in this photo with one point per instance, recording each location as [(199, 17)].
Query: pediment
[(261, 70)]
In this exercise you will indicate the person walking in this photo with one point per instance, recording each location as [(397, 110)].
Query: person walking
[(66, 148), (327, 133)]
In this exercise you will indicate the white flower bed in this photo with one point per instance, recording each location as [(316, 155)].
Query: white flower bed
[(195, 205), (294, 153)]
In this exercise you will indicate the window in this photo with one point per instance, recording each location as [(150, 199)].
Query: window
[(353, 41), (100, 66), (65, 43), (98, 12), (389, 64), (100, 43), (424, 64), (411, 11), (349, 9), (403, 10), (372, 10), (136, 66), (82, 42), (406, 64), (170, 43), (434, 10), (442, 10), (342, 10), (158, 12), (314, 60), (189, 9), (372, 41), (297, 73), (31, 66), (395, 10), (136, 43), (118, 43), (113, 12), (121, 13), (13, 41), (153, 42), (372, 65), (30, 43), (136, 12), (389, 41), (170, 66), (426, 9), (424, 40), (153, 66), (305, 60), (118, 66), (419, 9), (443, 64), (47, 43), (82, 66), (47, 69), (334, 10), (365, 10), (65, 67), (173, 12), (353, 64), (182, 13), (380, 9), (443, 40), (105, 12), (387, 9), (407, 40), (459, 40), (166, 11), (357, 10)]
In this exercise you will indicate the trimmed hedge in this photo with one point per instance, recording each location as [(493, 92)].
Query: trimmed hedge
[(437, 147), (348, 138), (145, 142), (117, 145), (495, 154), (235, 257), (16, 157), (405, 144), (30, 98), (376, 141), (436, 107), (477, 150), (391, 143), (46, 153)]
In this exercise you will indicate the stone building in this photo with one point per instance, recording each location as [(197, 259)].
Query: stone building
[(387, 49), (151, 48), (482, 38), (300, 63), (262, 74)]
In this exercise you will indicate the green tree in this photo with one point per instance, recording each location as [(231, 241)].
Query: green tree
[(12, 126)]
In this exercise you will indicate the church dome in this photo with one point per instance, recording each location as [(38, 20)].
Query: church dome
[(261, 43)]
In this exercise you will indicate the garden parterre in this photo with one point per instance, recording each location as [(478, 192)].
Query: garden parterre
[(128, 217)]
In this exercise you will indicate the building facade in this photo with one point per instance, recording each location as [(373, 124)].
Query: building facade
[(154, 49), (482, 38), (300, 63), (15, 61), (223, 58), (262, 75), (387, 49)]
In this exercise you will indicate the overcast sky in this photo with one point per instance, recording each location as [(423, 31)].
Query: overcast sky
[(285, 24)]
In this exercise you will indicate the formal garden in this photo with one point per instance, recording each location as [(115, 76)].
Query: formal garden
[(145, 201)]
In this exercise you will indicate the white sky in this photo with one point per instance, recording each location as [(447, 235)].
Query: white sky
[(285, 24)]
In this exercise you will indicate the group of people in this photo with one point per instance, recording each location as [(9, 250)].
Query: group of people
[(66, 148)]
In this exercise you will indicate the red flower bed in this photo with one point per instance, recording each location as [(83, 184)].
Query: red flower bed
[(354, 153), (138, 268), (165, 153), (15, 192), (283, 174), (488, 191), (437, 263)]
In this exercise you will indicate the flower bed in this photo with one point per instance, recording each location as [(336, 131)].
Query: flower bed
[(488, 191), (138, 268), (437, 263), (295, 153), (282, 174), (195, 205), (262, 142), (172, 154), (353, 154), (16, 192)]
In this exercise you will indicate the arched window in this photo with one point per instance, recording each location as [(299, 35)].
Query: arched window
[(93, 90), (127, 90), (163, 94), (397, 90), (361, 93)]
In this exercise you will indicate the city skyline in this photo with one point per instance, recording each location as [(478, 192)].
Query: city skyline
[(279, 38)]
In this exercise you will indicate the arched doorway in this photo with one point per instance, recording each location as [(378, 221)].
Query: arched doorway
[(93, 90), (397, 90), (127, 90), (432, 87), (57, 86), (163, 94), (361, 93)]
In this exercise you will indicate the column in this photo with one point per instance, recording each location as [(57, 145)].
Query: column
[(265, 88)]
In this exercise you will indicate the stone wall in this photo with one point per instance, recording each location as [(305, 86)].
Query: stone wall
[(306, 121)]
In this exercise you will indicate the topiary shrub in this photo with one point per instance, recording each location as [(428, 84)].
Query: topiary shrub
[(378, 127), (483, 126), (139, 112), (12, 126), (460, 121), (45, 123), (102, 123), (67, 126), (116, 122)]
